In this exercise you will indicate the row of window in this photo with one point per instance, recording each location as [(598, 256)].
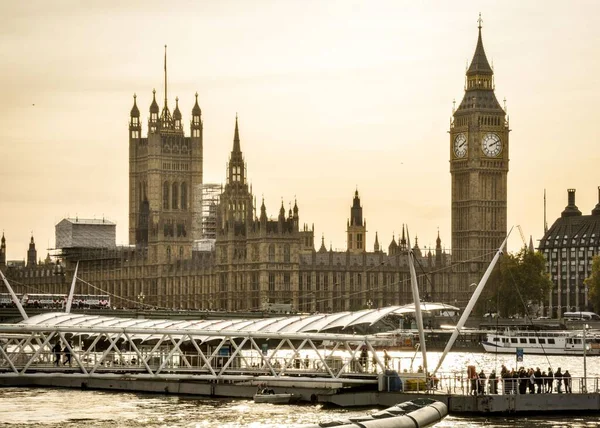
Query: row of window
[(175, 196), (176, 166), (532, 340)]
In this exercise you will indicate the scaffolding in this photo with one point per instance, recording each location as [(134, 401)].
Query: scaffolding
[(211, 194)]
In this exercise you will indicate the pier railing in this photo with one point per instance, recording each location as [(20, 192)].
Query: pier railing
[(29, 350)]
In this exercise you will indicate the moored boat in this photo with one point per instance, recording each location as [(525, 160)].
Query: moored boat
[(268, 395), (552, 342)]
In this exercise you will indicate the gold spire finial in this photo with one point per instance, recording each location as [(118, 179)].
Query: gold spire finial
[(479, 21)]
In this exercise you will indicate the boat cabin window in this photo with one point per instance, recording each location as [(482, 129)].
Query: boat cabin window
[(523, 340), (542, 341), (496, 339), (504, 340), (577, 341), (513, 340), (551, 342), (531, 340)]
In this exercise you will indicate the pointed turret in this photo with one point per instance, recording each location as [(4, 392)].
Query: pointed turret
[(356, 211), (479, 63), (376, 247), (236, 137), (531, 247), (403, 244), (295, 209), (263, 212), (438, 250), (134, 120), (479, 90), (281, 217), (236, 171), (196, 109), (153, 121), (3, 251), (393, 247), (416, 249), (196, 125), (323, 249), (135, 111), (177, 114), (154, 105), (31, 253)]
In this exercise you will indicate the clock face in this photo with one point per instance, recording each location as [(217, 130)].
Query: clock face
[(460, 145), (491, 145)]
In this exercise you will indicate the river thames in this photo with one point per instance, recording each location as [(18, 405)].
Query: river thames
[(65, 408)]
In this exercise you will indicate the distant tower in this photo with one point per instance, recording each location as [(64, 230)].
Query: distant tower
[(165, 173), (236, 204), (479, 168), (31, 254), (3, 251), (357, 228)]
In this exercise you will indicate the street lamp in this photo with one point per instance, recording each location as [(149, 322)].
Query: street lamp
[(369, 303), (141, 298), (585, 348)]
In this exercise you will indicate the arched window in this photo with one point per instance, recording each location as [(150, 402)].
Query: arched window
[(166, 195), (168, 254), (271, 253), (181, 252), (286, 253), (184, 196), (175, 196)]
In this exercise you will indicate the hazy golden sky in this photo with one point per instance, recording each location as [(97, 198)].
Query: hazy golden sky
[(331, 96)]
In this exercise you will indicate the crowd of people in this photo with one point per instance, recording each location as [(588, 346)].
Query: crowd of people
[(522, 381)]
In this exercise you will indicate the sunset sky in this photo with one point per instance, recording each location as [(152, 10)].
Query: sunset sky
[(332, 96)]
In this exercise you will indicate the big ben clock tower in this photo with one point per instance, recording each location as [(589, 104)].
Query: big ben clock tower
[(479, 168)]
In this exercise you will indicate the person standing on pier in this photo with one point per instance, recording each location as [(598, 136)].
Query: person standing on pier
[(550, 380), (567, 378), (67, 353), (493, 382), (538, 380), (386, 359), (558, 376), (531, 384), (57, 351)]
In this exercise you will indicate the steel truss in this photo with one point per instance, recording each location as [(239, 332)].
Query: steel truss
[(162, 353)]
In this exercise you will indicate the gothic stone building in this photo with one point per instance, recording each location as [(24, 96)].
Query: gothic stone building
[(569, 247), (256, 261), (479, 168)]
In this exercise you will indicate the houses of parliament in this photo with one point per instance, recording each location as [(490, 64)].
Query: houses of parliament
[(255, 260)]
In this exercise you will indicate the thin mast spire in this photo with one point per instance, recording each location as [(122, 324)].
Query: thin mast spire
[(165, 76), (545, 222)]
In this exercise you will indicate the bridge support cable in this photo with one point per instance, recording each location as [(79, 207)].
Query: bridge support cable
[(471, 304), (417, 300), (72, 291), (14, 297)]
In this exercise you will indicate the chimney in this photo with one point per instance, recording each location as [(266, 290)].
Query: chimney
[(571, 209), (596, 210)]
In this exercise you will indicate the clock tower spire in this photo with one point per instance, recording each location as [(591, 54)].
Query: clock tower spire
[(479, 168)]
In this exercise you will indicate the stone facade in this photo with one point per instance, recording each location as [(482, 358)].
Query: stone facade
[(568, 247), (479, 155)]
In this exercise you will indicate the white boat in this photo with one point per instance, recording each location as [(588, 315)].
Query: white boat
[(267, 395), (551, 342)]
